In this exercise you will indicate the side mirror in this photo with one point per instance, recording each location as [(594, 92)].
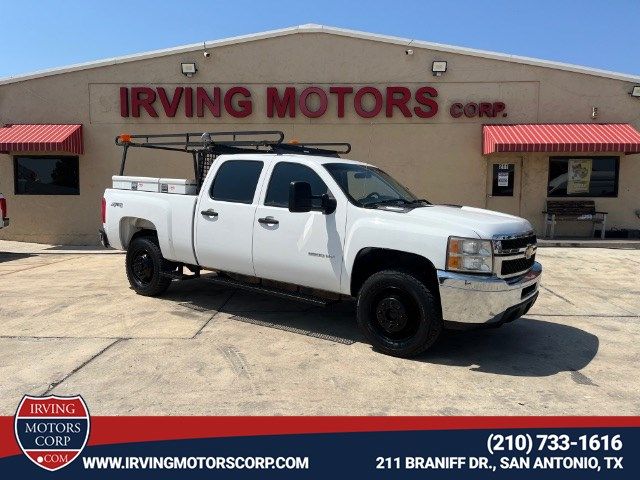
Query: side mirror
[(328, 204), (300, 198)]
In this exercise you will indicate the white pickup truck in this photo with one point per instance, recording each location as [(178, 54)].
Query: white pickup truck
[(263, 212), (4, 219)]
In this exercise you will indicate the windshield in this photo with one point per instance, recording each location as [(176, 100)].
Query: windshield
[(369, 186)]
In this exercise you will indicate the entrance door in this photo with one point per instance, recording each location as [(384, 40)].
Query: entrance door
[(503, 188)]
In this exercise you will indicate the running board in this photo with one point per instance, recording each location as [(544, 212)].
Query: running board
[(297, 296), (180, 275)]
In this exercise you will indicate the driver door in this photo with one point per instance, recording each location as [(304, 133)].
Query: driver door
[(298, 248)]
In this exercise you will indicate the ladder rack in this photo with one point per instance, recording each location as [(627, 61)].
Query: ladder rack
[(204, 147)]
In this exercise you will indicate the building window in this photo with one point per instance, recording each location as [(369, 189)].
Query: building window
[(583, 176), (46, 175)]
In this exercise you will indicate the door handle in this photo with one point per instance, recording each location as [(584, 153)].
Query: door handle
[(268, 221), (209, 213)]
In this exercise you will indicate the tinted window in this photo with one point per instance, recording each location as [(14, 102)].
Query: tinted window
[(283, 174), (37, 175), (583, 177), (236, 181)]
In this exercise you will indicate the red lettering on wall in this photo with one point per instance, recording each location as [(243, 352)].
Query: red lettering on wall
[(288, 102), (245, 107), (357, 102), (456, 110), (498, 107), (424, 96), (304, 108), (482, 109), (170, 107), (204, 100), (124, 102), (284, 102), (142, 97), (471, 109), (188, 102), (340, 92), (401, 103), (485, 110)]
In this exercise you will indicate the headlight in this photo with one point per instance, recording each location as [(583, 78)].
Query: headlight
[(469, 255)]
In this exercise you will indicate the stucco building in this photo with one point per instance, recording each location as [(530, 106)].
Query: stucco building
[(423, 112)]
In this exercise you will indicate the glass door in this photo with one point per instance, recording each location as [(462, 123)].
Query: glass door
[(503, 188)]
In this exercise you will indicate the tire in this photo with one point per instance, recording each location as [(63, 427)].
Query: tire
[(398, 314), (145, 265)]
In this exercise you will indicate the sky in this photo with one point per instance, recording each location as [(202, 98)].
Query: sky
[(44, 34)]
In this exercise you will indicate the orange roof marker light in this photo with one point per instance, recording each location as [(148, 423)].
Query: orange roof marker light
[(124, 138), (294, 142)]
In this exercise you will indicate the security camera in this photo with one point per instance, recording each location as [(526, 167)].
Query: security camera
[(408, 52), (206, 54)]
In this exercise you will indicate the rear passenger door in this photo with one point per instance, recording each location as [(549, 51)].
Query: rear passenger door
[(298, 248), (224, 217)]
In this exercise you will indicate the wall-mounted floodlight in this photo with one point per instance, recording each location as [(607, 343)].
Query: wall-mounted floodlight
[(635, 92), (188, 69), (438, 67)]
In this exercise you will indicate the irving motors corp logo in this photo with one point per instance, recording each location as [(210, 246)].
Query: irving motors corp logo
[(53, 430)]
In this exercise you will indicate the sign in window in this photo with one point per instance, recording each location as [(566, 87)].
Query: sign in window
[(583, 177), (503, 178)]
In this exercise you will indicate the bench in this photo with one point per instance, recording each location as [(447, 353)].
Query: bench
[(583, 210)]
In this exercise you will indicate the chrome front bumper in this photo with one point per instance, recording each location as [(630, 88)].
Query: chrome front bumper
[(472, 299)]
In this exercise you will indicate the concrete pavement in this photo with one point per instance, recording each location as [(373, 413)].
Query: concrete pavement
[(70, 324)]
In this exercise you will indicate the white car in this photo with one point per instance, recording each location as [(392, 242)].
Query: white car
[(300, 215), (4, 218)]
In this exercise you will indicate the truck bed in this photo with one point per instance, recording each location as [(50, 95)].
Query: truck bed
[(165, 210)]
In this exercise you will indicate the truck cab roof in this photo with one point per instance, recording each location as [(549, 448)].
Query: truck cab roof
[(291, 157)]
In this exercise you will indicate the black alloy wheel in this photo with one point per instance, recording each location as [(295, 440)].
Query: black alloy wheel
[(398, 314), (395, 314), (146, 267), (142, 267)]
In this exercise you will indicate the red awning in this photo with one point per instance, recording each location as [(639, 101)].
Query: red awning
[(41, 138), (561, 137)]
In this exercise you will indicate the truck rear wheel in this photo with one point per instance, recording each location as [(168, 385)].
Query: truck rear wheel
[(145, 265), (398, 314)]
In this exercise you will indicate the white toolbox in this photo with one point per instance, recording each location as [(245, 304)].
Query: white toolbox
[(178, 186), (142, 184)]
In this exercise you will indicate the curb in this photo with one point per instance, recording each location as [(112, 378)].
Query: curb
[(574, 243)]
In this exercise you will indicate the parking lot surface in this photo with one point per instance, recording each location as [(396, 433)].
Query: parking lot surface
[(71, 325)]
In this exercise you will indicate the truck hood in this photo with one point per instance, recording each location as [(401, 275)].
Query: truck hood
[(485, 223)]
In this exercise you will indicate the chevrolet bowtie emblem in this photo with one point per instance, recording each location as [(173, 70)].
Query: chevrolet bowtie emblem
[(528, 253)]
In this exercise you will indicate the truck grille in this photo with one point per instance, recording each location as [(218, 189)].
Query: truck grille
[(509, 267), (507, 244), (510, 254)]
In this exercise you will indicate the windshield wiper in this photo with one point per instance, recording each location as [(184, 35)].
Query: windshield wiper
[(384, 202), (420, 200), (403, 201)]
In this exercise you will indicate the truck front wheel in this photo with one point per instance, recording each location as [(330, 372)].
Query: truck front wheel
[(398, 314), (145, 265)]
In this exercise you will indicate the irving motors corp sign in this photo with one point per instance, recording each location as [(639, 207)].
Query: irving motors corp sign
[(291, 102)]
